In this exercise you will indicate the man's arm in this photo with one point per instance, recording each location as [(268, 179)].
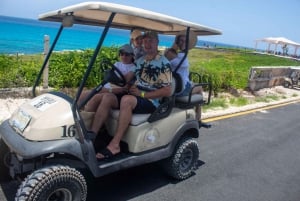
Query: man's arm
[(158, 93)]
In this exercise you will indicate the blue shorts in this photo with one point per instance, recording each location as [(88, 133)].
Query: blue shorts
[(143, 106), (186, 91)]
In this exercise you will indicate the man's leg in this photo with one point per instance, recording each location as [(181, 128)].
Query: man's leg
[(83, 96), (198, 111), (198, 90), (105, 101), (128, 103), (93, 104)]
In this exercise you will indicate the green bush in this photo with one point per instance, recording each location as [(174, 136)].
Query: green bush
[(224, 68), (230, 68), (66, 69), (18, 70)]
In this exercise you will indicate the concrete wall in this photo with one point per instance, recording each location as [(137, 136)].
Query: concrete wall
[(268, 76)]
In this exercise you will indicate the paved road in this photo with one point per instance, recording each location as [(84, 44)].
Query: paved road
[(253, 157)]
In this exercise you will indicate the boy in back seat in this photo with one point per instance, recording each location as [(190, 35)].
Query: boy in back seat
[(175, 54)]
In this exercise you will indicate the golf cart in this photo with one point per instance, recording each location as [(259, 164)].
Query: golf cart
[(293, 80), (45, 143)]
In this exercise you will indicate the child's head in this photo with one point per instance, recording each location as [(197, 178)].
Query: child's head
[(126, 54), (136, 38)]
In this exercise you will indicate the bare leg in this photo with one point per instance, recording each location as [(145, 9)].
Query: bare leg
[(198, 112), (198, 90), (105, 102), (94, 103), (128, 103), (83, 96)]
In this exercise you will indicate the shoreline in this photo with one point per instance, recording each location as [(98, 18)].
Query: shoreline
[(83, 37), (160, 47)]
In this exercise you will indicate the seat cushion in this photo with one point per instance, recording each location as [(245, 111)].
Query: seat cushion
[(135, 120), (185, 99)]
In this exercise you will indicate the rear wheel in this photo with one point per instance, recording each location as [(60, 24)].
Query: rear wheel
[(183, 162), (4, 162), (53, 183)]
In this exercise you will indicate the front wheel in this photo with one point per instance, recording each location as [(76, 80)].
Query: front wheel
[(53, 183), (183, 162)]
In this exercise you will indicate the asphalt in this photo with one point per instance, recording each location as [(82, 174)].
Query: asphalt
[(216, 114)]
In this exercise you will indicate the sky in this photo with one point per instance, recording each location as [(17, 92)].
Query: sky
[(241, 22)]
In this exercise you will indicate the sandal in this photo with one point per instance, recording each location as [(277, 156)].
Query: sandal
[(107, 154)]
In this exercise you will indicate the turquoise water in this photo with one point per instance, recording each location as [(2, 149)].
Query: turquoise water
[(25, 36)]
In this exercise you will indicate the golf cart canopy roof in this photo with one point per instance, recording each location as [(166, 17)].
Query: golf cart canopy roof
[(126, 17)]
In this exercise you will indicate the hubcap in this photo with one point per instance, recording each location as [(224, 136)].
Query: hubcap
[(187, 159)]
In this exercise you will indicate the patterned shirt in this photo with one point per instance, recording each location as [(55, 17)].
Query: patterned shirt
[(152, 75)]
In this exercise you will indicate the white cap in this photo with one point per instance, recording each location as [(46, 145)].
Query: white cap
[(135, 33)]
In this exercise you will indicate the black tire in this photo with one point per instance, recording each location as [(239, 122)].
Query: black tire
[(53, 183), (4, 161), (183, 161)]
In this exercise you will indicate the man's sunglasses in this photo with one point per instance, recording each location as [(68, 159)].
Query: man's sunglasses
[(125, 54)]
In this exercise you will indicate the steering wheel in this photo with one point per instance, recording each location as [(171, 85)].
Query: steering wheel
[(114, 75)]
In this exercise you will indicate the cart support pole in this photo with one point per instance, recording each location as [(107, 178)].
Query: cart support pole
[(46, 71)]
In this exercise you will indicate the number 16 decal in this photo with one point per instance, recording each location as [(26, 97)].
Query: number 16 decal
[(69, 131)]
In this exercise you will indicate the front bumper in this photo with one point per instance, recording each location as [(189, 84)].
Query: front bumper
[(31, 149)]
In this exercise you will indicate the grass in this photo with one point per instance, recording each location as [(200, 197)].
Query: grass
[(267, 99), (227, 68), (225, 101), (239, 101), (230, 68), (218, 103), (236, 63)]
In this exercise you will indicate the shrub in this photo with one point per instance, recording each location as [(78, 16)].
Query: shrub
[(225, 69)]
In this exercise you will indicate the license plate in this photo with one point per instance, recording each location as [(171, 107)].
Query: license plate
[(20, 120)]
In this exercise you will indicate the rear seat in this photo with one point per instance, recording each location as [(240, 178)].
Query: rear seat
[(135, 120), (191, 100)]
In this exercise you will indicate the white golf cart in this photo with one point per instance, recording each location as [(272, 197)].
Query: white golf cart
[(45, 143)]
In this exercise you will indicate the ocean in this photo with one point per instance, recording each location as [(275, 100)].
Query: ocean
[(26, 36)]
